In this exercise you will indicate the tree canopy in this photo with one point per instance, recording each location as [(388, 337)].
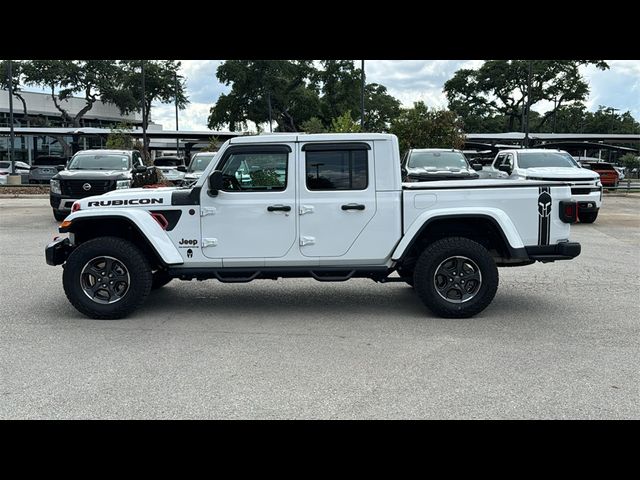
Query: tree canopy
[(298, 92), (422, 127), (499, 88)]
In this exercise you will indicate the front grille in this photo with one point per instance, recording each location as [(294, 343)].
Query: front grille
[(74, 188), (565, 179)]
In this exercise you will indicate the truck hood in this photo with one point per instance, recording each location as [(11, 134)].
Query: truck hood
[(92, 175), (433, 173), (561, 172), (130, 197)]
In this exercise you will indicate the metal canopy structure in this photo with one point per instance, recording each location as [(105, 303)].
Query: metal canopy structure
[(543, 138), (194, 136)]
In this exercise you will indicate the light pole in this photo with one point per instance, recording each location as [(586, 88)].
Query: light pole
[(528, 104), (362, 98), (269, 100), (176, 101), (144, 118), (12, 152)]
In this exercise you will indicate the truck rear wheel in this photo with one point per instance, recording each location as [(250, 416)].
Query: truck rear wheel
[(456, 277), (107, 278)]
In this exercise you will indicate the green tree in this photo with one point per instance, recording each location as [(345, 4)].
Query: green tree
[(344, 124), (282, 86), (421, 127), (297, 92), (313, 125), (499, 87), (16, 74), (162, 84), (90, 78), (120, 137), (380, 108), (631, 161)]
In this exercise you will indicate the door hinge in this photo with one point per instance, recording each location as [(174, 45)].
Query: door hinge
[(307, 241), (306, 209), (204, 211), (209, 242)]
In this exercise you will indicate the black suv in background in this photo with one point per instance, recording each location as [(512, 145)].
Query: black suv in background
[(94, 172), (426, 164)]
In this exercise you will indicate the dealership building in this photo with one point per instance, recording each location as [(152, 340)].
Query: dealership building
[(42, 112)]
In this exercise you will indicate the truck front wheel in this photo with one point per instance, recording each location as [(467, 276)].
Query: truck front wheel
[(456, 277), (107, 278)]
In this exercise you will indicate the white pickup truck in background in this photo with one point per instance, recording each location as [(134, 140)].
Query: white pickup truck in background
[(553, 166), (327, 206)]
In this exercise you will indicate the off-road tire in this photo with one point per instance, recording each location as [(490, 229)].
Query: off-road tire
[(588, 217), (125, 252), (437, 253), (59, 216)]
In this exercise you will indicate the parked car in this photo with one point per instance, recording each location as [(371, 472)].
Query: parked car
[(551, 165), (168, 165), (608, 174), (427, 164), (20, 168), (94, 172), (197, 165), (44, 168)]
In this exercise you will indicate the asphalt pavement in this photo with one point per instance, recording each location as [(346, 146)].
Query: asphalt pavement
[(560, 341)]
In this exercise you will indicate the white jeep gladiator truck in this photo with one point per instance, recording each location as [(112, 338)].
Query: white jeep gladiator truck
[(542, 164), (327, 206)]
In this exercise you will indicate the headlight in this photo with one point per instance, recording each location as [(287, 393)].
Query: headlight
[(122, 184), (55, 187)]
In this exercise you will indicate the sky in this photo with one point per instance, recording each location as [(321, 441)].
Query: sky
[(408, 81)]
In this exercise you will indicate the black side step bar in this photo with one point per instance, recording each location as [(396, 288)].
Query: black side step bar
[(242, 274)]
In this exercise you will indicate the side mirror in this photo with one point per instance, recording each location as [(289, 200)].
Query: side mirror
[(476, 166), (139, 169), (505, 168), (215, 182), (58, 167), (182, 168)]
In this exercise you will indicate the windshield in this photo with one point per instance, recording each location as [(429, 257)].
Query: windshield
[(545, 159), (109, 161), (50, 161), (439, 160), (167, 162), (5, 164), (199, 162)]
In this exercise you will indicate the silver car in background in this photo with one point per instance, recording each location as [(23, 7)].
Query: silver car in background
[(169, 166), (198, 163)]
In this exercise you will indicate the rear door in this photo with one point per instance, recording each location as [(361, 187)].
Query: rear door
[(336, 196)]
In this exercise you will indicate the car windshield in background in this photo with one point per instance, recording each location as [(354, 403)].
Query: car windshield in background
[(167, 162), (100, 162), (545, 159), (5, 165), (601, 166), (200, 162), (49, 161), (440, 160)]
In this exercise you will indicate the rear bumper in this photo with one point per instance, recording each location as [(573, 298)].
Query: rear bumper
[(551, 253)]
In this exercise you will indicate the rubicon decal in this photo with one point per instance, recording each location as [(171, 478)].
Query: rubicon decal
[(128, 201), (544, 215)]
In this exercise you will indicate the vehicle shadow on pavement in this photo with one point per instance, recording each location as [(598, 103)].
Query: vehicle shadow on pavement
[(286, 297)]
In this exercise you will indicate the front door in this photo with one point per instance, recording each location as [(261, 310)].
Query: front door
[(253, 216), (337, 196)]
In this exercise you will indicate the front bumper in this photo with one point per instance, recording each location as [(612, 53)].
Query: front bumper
[(57, 252), (551, 253), (61, 202)]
